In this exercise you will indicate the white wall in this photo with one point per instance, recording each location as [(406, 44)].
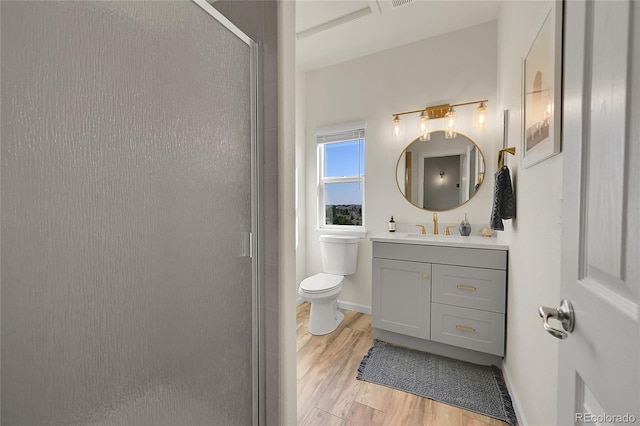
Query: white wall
[(301, 169), (287, 121), (533, 236), (457, 67)]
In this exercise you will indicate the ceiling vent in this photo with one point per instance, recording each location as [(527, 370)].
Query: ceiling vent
[(398, 3), (335, 22)]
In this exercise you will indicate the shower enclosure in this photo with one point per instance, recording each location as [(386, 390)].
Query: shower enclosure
[(129, 209)]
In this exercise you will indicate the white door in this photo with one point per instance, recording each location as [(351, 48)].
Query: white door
[(598, 362)]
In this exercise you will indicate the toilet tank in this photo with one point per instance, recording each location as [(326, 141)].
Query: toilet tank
[(339, 254)]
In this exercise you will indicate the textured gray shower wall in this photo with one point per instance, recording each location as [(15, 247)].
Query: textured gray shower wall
[(125, 185)]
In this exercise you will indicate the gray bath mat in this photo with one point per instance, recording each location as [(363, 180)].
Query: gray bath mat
[(477, 388)]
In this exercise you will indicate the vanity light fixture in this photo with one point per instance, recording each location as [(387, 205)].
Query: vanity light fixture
[(396, 126), (450, 124), (481, 116), (423, 126), (445, 111)]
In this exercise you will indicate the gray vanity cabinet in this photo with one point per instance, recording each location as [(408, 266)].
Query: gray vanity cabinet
[(455, 296)]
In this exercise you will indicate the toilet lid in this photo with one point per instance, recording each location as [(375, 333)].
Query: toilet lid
[(320, 283)]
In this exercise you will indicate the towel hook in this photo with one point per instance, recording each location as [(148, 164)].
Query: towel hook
[(510, 150)]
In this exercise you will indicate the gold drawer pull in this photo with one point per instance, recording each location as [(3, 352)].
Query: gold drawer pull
[(466, 287), (425, 276), (468, 329)]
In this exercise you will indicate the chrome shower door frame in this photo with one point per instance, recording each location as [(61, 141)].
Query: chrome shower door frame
[(258, 396)]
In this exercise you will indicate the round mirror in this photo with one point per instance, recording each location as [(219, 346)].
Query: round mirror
[(440, 174)]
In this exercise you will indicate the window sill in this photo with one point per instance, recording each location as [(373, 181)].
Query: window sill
[(334, 231)]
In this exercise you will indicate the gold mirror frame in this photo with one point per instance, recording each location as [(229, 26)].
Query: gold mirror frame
[(414, 175)]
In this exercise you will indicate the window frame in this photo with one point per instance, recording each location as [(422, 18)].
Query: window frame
[(323, 181)]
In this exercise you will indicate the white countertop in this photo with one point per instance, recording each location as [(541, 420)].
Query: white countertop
[(472, 241)]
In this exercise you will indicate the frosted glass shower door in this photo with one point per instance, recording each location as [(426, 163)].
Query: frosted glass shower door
[(127, 289)]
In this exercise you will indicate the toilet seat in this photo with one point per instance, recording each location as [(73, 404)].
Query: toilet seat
[(320, 283)]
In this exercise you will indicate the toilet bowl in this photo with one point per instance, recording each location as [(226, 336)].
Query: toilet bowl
[(339, 256), (322, 291)]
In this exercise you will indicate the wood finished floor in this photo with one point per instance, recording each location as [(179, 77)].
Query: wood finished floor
[(330, 395)]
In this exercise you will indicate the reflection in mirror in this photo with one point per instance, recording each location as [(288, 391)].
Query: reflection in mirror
[(440, 174)]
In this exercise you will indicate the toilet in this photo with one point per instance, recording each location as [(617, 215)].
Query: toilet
[(339, 256)]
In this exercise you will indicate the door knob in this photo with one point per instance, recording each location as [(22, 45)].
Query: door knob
[(564, 314)]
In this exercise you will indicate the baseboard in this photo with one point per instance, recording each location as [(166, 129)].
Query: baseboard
[(515, 400), (348, 306), (345, 306)]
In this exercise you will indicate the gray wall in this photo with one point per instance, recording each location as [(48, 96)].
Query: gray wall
[(441, 194)]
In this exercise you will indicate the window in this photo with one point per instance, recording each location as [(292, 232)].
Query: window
[(341, 177)]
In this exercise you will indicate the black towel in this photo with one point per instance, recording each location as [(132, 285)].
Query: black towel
[(504, 206)]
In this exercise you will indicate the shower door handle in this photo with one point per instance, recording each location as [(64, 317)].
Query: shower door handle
[(246, 244)]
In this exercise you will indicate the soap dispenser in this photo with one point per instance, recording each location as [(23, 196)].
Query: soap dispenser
[(392, 225), (465, 227)]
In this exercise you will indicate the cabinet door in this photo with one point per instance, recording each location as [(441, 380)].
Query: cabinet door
[(402, 297)]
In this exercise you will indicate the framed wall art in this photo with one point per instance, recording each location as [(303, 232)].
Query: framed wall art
[(542, 89)]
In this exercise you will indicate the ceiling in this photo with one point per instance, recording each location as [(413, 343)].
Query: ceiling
[(333, 31)]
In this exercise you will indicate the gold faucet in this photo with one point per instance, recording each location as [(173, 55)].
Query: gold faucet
[(435, 224), (446, 229), (422, 230)]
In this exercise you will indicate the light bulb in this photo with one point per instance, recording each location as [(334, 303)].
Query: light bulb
[(481, 116), (450, 124), (423, 126), (396, 127)]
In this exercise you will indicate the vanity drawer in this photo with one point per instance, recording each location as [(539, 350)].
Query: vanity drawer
[(475, 288), (468, 328)]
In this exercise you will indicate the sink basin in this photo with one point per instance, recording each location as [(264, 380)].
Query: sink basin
[(435, 237)]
